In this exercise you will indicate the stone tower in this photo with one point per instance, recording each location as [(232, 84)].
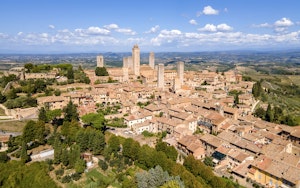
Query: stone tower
[(125, 62), (100, 61), (136, 60), (130, 64), (180, 71), (176, 84), (160, 76), (125, 74), (151, 60)]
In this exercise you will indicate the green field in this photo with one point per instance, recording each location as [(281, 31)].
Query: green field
[(14, 126), (283, 90)]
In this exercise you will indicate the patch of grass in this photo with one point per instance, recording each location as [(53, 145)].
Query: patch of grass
[(2, 112), (14, 126)]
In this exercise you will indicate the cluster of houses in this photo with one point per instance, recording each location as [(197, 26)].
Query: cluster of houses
[(201, 120), (248, 147)]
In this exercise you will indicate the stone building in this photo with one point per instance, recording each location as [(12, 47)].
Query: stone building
[(180, 71), (136, 60), (100, 61), (160, 76), (151, 60)]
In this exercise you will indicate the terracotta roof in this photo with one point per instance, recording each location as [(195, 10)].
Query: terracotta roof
[(296, 133), (211, 140), (153, 107), (49, 99), (243, 169)]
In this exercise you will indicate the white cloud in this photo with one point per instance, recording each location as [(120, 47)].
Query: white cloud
[(209, 28), (279, 26), (173, 32), (111, 26), (224, 27), (215, 37), (215, 28), (97, 31), (208, 10), (3, 36), (283, 22), (263, 25), (166, 36), (92, 31), (279, 29), (126, 31), (153, 29), (51, 26), (116, 28), (225, 9), (193, 22)]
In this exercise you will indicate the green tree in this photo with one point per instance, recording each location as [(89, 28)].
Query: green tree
[(269, 114), (57, 92), (114, 144), (170, 151), (43, 115), (74, 155), (52, 115), (98, 143), (208, 161), (91, 140), (65, 157), (3, 157), (290, 120), (257, 90), (71, 112), (29, 132), (2, 98), (80, 166), (96, 120), (40, 132), (260, 112), (80, 68), (28, 67), (57, 149), (236, 100), (16, 174), (101, 71), (11, 94), (70, 74), (70, 130), (103, 165), (157, 177), (278, 114), (131, 148), (24, 156)]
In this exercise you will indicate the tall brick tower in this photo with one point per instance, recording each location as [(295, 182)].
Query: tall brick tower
[(151, 60), (136, 60)]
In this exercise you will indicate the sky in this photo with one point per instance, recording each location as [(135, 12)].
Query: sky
[(60, 26)]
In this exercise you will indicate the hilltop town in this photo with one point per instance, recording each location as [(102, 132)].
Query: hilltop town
[(206, 114)]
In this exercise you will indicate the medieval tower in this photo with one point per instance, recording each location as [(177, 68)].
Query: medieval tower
[(100, 61), (160, 76), (180, 71), (136, 60), (151, 60)]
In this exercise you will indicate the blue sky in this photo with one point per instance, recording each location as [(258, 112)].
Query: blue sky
[(58, 26)]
